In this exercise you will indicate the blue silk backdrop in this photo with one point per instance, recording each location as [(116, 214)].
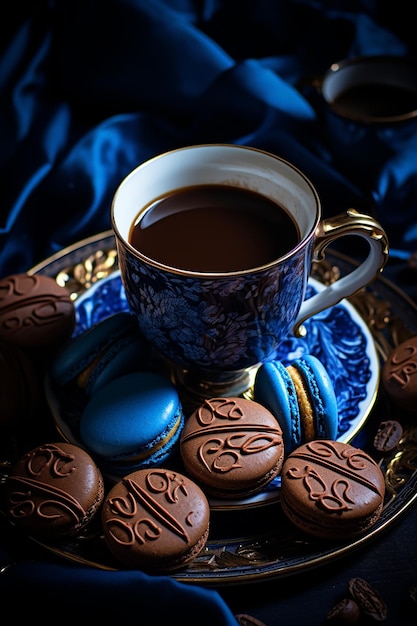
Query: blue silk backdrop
[(89, 89)]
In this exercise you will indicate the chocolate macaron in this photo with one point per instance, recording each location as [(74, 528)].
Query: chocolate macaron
[(35, 312), (399, 375), (331, 489), (156, 520), (233, 447), (54, 490)]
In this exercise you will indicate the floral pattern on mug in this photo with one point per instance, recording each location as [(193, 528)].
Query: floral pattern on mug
[(215, 324)]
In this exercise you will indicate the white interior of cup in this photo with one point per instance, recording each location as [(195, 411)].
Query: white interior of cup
[(384, 70), (241, 166)]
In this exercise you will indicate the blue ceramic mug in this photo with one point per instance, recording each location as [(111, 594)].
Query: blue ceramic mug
[(215, 327)]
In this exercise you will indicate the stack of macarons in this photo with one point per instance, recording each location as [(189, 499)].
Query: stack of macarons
[(36, 315), (302, 398), (128, 416)]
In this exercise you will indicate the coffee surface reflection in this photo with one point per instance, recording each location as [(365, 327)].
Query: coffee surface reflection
[(214, 228)]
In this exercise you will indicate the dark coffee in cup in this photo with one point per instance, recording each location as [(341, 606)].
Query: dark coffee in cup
[(214, 323), (376, 101), (214, 228), (372, 89), (370, 112)]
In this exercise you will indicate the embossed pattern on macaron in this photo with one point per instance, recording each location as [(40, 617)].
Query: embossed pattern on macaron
[(157, 519), (332, 489), (54, 489), (232, 445), (34, 310), (399, 375)]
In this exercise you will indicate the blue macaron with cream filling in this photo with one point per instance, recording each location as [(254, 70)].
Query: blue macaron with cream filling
[(132, 422), (302, 398), (112, 347)]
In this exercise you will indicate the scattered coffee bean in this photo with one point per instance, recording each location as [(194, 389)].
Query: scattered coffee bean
[(346, 611), (413, 593), (412, 262), (368, 599), (388, 436), (248, 620)]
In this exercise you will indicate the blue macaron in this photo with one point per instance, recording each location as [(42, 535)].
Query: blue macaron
[(112, 347), (132, 422), (302, 398)]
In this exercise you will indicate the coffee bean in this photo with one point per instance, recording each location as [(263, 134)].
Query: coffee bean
[(247, 620), (412, 262), (368, 599), (388, 436), (346, 611)]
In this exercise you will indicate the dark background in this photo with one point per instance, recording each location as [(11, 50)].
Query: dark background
[(90, 89)]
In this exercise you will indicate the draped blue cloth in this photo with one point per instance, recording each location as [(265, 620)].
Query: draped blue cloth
[(91, 88), (111, 596)]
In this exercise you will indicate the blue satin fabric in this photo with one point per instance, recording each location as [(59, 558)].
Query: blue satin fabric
[(89, 89), (84, 593)]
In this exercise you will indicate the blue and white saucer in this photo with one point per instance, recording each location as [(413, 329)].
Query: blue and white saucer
[(339, 337)]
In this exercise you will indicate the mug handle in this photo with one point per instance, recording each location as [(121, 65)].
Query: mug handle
[(350, 223)]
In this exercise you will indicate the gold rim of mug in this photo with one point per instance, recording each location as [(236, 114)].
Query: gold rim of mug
[(120, 240)]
